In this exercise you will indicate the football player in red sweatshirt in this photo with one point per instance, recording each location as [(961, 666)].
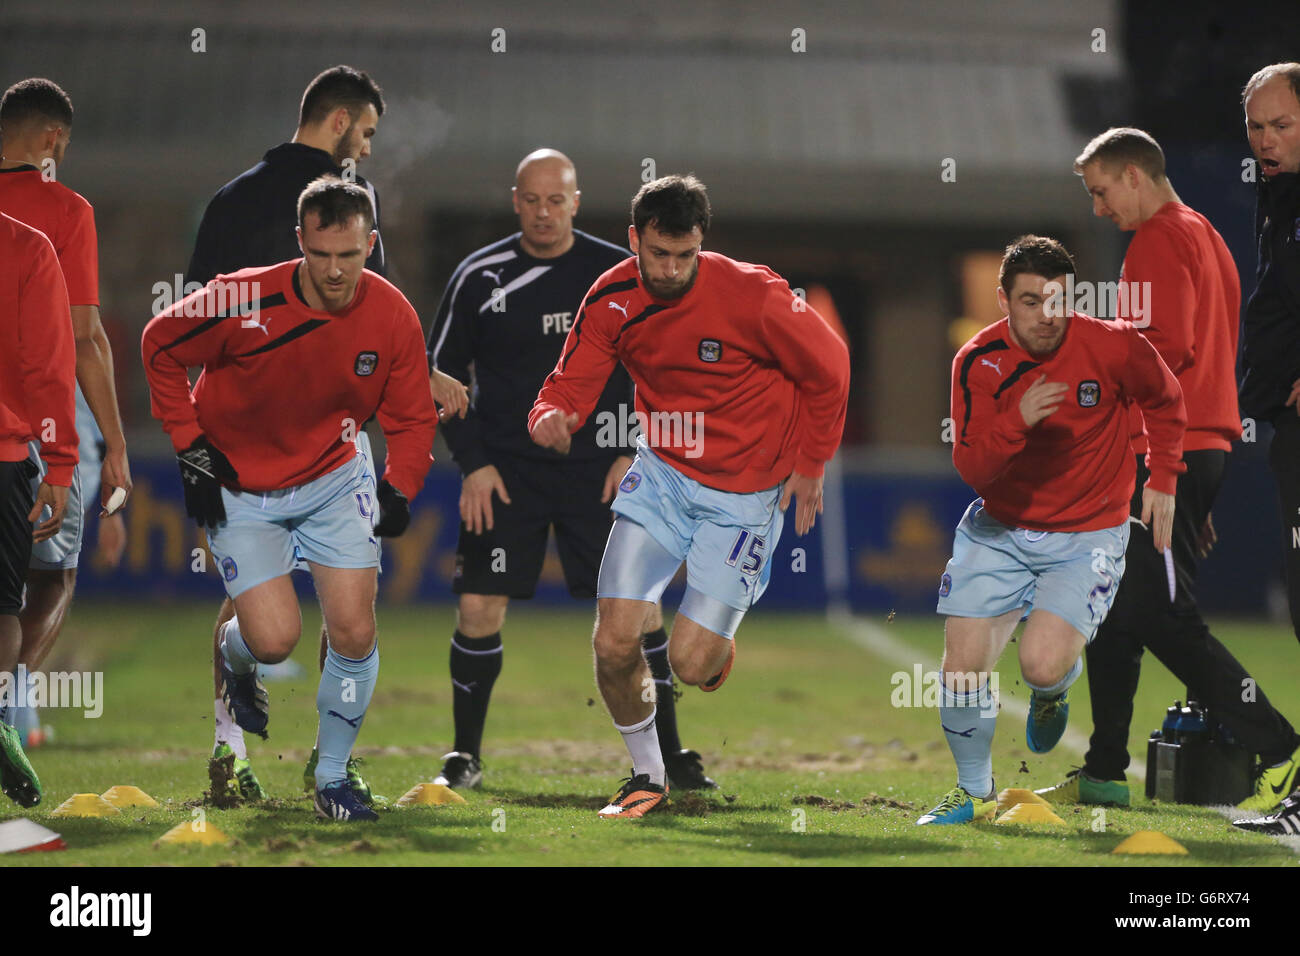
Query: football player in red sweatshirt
[(1041, 401), (297, 357), (1179, 286), (36, 118), (741, 391), (38, 363)]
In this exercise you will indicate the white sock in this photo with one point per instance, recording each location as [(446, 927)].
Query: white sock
[(643, 744), (229, 731)]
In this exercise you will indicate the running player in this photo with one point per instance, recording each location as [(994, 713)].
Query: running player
[(1043, 398), (36, 122), (513, 338), (37, 380), (1179, 284), (251, 222), (296, 356), (743, 389)]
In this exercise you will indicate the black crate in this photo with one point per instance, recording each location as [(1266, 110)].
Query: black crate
[(1204, 771)]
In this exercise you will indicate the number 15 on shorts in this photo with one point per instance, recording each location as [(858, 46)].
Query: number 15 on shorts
[(753, 557)]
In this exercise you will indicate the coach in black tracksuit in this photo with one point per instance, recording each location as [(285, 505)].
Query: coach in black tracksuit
[(1271, 355), (507, 311), (252, 220)]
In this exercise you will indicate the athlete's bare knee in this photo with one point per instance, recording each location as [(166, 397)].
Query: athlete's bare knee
[(273, 651), (481, 615), (50, 591), (353, 638), (682, 661), (269, 642), (1043, 671), (695, 653), (616, 651), (689, 670), (962, 656), (616, 642)]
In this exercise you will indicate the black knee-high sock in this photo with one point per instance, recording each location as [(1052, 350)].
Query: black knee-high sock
[(655, 645), (475, 664)]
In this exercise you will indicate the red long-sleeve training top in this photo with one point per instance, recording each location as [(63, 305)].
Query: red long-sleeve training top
[(285, 389), (1074, 470), (762, 371), (1190, 317), (38, 359), (67, 220)]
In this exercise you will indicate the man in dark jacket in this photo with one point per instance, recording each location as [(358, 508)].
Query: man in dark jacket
[(1270, 386)]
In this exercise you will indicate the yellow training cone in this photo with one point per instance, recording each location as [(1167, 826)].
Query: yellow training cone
[(429, 794), (1009, 797), (85, 805), (125, 795), (1030, 813), (194, 832), (1151, 841)]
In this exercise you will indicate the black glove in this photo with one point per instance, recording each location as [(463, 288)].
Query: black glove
[(394, 512), (204, 469)]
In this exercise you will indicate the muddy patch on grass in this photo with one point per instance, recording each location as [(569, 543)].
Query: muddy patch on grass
[(223, 789), (834, 762), (550, 801), (866, 803), (357, 846)]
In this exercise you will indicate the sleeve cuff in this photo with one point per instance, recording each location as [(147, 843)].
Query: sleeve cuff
[(470, 460), (59, 475), (402, 483), (185, 436), (1163, 479), (809, 467)]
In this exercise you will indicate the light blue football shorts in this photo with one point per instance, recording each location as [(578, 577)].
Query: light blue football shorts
[(995, 569), (90, 462), (63, 551), (328, 521), (664, 518)]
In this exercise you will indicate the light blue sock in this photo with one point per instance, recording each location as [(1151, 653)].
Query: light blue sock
[(238, 657), (1061, 686), (22, 716), (968, 720), (345, 688)]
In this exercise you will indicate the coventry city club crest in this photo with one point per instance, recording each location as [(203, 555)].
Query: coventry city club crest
[(945, 585), (1089, 393), (366, 363), (229, 568), (710, 350), (630, 482)]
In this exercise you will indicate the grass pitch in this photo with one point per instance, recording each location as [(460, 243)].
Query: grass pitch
[(815, 765)]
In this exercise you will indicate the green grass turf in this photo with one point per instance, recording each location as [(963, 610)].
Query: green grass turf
[(805, 716)]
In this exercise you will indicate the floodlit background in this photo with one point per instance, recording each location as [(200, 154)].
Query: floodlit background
[(823, 131)]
